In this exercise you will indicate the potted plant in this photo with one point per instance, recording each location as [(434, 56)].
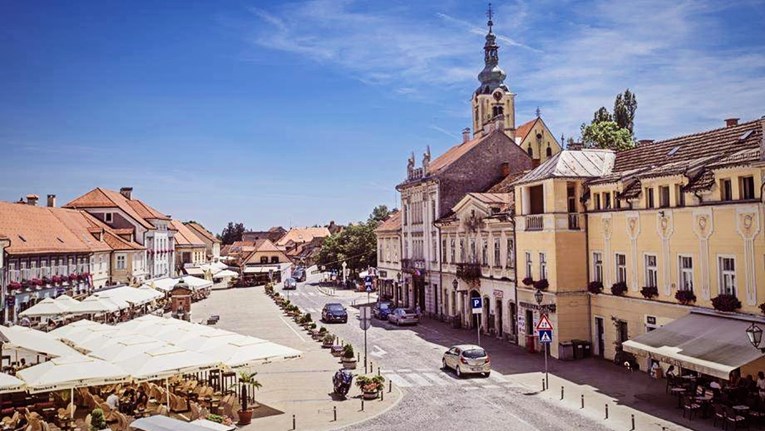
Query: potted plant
[(328, 340), (14, 285), (349, 358), (528, 281), (370, 386), (619, 288), (726, 302), (97, 420), (542, 284), (314, 332), (306, 321), (685, 297), (595, 287), (649, 292), (246, 380)]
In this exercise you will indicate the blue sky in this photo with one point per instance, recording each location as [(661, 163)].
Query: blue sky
[(301, 112)]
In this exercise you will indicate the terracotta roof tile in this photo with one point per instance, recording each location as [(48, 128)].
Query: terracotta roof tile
[(453, 154), (185, 237), (505, 185), (103, 198), (145, 211), (523, 130), (391, 224), (305, 234), (202, 232)]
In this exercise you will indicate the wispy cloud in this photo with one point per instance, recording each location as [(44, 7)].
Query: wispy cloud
[(444, 131)]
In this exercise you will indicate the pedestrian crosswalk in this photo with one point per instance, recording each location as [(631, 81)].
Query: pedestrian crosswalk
[(295, 293), (406, 378)]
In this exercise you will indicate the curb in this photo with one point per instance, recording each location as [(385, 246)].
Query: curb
[(386, 410)]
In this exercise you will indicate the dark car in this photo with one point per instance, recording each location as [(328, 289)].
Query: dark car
[(334, 312), (299, 274), (382, 309)]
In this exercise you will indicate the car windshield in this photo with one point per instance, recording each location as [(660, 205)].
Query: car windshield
[(474, 353), (384, 306), (335, 307)]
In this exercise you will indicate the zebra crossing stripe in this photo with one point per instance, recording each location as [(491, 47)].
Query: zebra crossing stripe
[(418, 380), (437, 380), (312, 293), (471, 388), (398, 381)]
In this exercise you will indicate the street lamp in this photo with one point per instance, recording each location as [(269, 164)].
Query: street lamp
[(538, 296), (754, 333)]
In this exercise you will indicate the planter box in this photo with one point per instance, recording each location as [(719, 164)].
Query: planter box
[(371, 395), (349, 364), (337, 351)]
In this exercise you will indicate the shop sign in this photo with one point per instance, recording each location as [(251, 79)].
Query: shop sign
[(498, 293)]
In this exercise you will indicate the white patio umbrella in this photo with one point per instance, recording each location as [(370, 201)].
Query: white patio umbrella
[(247, 353), (68, 302), (10, 384), (95, 305), (210, 341), (75, 328), (166, 362), (46, 307), (226, 273), (32, 340), (127, 348)]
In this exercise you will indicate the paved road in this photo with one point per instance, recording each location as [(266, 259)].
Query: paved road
[(433, 398)]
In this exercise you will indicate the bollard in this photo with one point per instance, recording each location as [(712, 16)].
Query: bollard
[(293, 422), (362, 404), (633, 422), (378, 371), (606, 410), (561, 393), (543, 384), (334, 413), (390, 385), (382, 395), (358, 357), (582, 400)]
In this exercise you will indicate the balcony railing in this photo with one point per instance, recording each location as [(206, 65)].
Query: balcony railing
[(412, 264), (534, 222), (573, 221), (468, 271)]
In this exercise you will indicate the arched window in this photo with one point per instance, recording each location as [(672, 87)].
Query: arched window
[(548, 151), (531, 153)]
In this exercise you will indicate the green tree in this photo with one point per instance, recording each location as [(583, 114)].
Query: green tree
[(625, 106), (232, 232), (601, 115), (356, 245), (606, 134), (380, 213)]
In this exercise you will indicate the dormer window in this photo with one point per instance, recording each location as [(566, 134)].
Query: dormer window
[(108, 217), (746, 188)]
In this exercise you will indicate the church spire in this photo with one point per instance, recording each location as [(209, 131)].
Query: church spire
[(491, 76)]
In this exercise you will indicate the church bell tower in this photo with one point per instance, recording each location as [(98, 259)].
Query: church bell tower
[(493, 98)]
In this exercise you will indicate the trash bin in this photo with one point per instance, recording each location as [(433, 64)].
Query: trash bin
[(530, 340), (566, 351), (578, 349), (587, 349)]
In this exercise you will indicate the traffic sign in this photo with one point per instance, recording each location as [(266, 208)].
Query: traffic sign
[(368, 279), (476, 305), (545, 336), (544, 324), (369, 288), (365, 317)]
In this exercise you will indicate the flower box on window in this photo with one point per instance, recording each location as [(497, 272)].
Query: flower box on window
[(685, 297), (542, 284), (619, 288), (595, 287), (649, 292), (36, 282), (57, 279), (528, 281), (47, 281), (726, 302), (72, 277), (14, 285)]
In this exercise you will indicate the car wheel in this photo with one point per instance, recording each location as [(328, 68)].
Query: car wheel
[(443, 365), (486, 374), (459, 373)]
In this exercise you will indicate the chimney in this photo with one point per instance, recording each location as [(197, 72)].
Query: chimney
[(32, 200), (127, 192), (51, 201), (465, 134), (643, 142), (730, 122), (505, 169)]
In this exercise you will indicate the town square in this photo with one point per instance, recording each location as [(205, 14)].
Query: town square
[(357, 215)]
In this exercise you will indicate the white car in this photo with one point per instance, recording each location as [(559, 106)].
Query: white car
[(401, 316), (467, 359)]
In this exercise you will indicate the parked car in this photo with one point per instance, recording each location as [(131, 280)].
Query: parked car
[(467, 359), (334, 312), (402, 316), (382, 310), (299, 274), (290, 284)]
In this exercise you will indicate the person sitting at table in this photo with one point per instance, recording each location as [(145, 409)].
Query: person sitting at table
[(747, 383), (22, 423), (760, 384), (113, 400), (671, 371), (141, 399)]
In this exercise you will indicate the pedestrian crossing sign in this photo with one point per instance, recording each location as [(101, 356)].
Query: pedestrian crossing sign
[(545, 336), (544, 324)]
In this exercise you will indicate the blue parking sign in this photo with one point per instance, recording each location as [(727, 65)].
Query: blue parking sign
[(475, 303)]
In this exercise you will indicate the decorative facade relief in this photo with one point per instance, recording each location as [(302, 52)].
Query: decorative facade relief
[(748, 226), (608, 260), (703, 226), (633, 231), (665, 227)]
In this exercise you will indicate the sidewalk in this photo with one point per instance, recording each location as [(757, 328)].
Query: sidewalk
[(599, 381), (301, 387)]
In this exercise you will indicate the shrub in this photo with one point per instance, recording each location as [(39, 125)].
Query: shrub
[(528, 281), (328, 338), (619, 288), (97, 420), (322, 330), (370, 384), (307, 318), (685, 297), (649, 291), (726, 302), (348, 352), (595, 287), (542, 284)]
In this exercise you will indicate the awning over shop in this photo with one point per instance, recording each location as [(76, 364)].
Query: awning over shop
[(708, 344), (226, 273), (265, 268)]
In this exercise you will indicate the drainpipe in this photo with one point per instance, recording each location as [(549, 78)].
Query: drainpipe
[(4, 287)]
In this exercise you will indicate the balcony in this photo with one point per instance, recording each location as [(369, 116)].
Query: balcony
[(534, 222), (468, 271), (409, 265), (573, 221)]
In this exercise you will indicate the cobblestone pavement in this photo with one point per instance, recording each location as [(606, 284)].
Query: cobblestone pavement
[(511, 398)]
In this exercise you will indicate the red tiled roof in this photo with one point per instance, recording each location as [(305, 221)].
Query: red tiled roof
[(185, 237), (523, 130), (304, 234), (453, 154), (202, 232), (391, 224), (103, 198)]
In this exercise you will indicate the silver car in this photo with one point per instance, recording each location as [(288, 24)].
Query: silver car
[(402, 316), (467, 359)]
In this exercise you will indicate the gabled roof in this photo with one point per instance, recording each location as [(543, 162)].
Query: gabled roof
[(202, 232), (391, 224), (260, 246), (304, 234), (185, 236), (454, 153), (524, 129), (103, 198), (588, 163)]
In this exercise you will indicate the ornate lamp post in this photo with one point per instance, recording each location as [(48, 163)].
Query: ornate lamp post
[(754, 333)]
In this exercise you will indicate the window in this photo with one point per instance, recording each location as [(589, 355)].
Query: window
[(597, 201), (542, 267), (528, 264), (497, 249), (548, 152), (263, 259), (664, 197), (649, 203), (108, 217), (433, 209), (120, 261), (404, 213), (510, 253), (686, 273), (453, 251), (621, 268), (485, 252), (607, 200), (462, 250), (726, 190), (651, 273), (597, 266), (274, 259), (727, 267), (746, 188), (679, 196), (434, 254), (443, 250)]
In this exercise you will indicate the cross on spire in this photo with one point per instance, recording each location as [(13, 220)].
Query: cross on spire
[(490, 15)]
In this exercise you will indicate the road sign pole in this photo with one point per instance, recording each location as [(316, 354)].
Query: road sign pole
[(478, 329), (365, 351), (547, 378)]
